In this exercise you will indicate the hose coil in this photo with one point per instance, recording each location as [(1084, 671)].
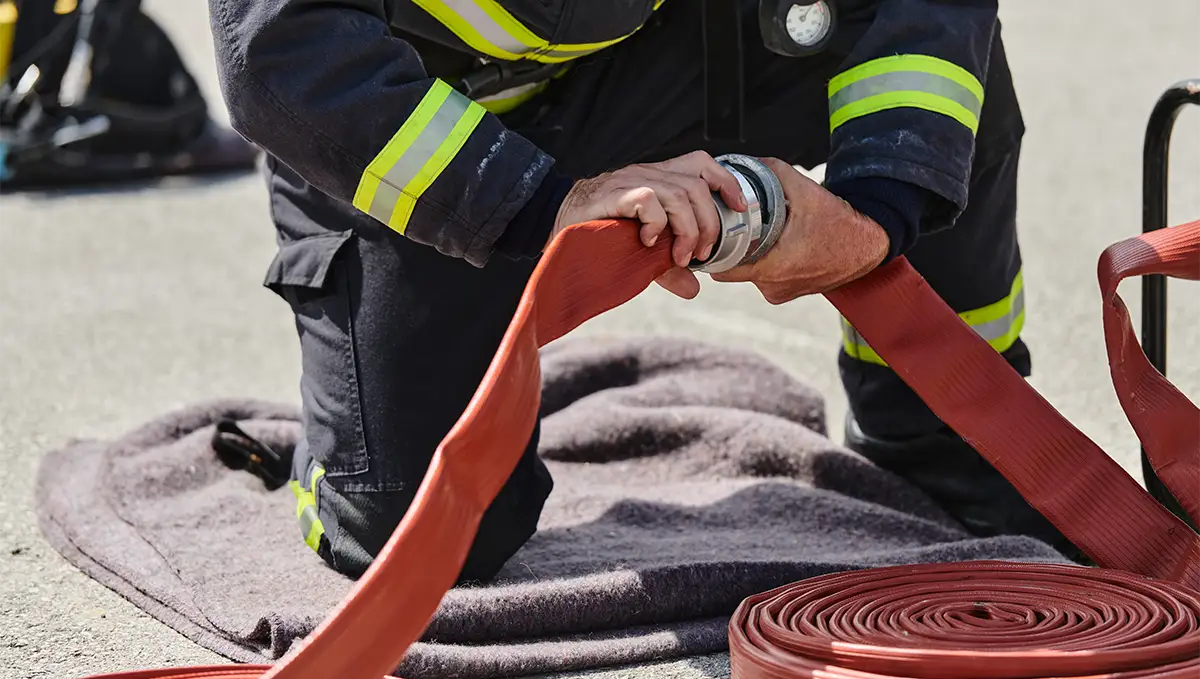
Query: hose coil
[(976, 620)]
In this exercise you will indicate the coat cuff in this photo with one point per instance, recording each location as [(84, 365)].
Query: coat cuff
[(526, 234), (899, 207)]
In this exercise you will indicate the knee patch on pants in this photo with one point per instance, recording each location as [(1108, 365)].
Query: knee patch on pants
[(348, 529)]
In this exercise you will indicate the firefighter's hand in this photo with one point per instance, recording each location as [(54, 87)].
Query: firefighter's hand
[(825, 243), (675, 194)]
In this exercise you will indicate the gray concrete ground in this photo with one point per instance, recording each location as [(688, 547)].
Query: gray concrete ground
[(118, 305)]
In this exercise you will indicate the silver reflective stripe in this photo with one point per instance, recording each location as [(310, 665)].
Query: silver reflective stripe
[(906, 81), (417, 155), (851, 334), (307, 518), (386, 197), (989, 331), (315, 475), (512, 92), (487, 28), (1001, 327), (560, 52)]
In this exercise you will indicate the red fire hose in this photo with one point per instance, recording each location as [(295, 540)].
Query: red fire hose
[(1138, 616)]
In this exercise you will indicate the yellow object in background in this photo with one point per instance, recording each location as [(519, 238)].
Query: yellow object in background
[(8, 27)]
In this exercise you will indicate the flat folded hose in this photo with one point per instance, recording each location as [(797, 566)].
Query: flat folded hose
[(1138, 616)]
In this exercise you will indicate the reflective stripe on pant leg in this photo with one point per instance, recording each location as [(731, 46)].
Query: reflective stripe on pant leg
[(999, 323), (906, 80), (489, 28), (307, 508), (423, 146)]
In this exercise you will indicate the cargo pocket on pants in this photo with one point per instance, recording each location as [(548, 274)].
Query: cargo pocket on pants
[(311, 276), (300, 267)]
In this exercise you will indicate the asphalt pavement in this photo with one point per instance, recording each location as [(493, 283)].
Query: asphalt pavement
[(117, 305)]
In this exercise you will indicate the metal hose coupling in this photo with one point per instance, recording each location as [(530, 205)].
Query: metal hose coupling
[(746, 236)]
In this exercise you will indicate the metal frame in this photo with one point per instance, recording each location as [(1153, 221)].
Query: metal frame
[(1155, 157)]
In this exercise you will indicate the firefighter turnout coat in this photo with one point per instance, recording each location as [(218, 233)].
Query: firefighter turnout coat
[(339, 91)]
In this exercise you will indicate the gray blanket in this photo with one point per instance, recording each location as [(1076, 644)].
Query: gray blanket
[(687, 477)]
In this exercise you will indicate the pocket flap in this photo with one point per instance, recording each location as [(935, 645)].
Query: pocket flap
[(305, 262)]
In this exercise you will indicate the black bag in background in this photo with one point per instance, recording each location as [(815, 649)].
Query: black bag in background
[(136, 112)]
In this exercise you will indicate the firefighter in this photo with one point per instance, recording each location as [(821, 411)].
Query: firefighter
[(409, 215)]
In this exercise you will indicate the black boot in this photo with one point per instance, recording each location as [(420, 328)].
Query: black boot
[(963, 483)]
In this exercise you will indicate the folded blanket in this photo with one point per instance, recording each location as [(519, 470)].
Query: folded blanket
[(687, 478)]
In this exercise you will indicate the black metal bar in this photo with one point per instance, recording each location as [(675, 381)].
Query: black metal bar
[(1155, 156)]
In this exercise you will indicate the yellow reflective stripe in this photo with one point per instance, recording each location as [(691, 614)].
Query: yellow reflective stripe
[(8, 28), (908, 62), (423, 146), (487, 27), (999, 324), (1001, 311), (497, 43), (912, 80), (503, 102), (317, 472), (306, 508)]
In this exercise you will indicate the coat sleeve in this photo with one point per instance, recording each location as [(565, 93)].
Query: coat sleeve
[(323, 86), (906, 102)]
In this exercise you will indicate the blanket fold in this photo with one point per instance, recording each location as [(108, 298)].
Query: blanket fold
[(687, 477)]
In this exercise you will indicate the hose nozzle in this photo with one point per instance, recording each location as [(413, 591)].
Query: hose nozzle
[(746, 236)]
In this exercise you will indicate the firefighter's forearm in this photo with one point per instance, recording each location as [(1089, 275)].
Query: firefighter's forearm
[(899, 207), (325, 88)]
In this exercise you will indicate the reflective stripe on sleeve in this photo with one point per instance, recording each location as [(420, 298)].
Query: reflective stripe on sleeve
[(425, 144), (508, 100), (999, 323), (306, 508), (489, 28), (906, 80)]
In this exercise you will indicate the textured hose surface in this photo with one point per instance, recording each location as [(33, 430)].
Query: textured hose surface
[(992, 620), (977, 620), (964, 621)]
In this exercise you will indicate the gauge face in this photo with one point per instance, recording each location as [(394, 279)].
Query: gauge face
[(808, 24)]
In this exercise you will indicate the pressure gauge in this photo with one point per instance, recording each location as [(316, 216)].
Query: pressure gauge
[(796, 28), (808, 24)]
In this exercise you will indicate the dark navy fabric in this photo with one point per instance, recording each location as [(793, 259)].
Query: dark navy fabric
[(324, 85), (395, 334)]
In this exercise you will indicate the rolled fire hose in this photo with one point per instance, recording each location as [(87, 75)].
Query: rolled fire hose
[(1136, 616)]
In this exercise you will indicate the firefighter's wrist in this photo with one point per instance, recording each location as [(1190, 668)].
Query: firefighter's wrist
[(897, 207), (527, 234)]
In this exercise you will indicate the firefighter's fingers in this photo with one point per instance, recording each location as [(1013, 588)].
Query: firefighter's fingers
[(708, 221), (681, 282), (642, 204), (718, 178), (681, 217), (657, 194)]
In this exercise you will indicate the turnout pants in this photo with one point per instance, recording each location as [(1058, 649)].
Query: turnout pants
[(395, 337)]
